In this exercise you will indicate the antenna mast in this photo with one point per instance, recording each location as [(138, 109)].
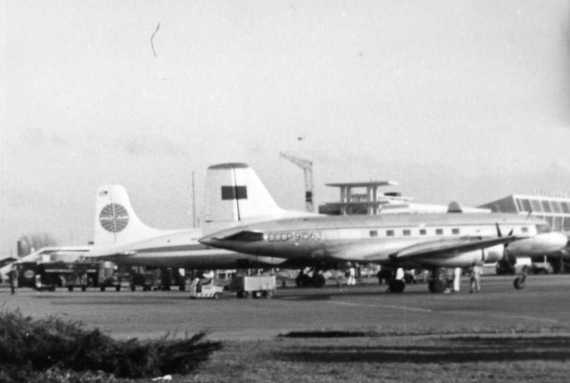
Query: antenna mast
[(307, 167)]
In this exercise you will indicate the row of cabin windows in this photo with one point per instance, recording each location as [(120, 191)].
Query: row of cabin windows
[(408, 232)]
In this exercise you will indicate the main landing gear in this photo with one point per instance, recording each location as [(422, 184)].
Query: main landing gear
[(397, 286), (315, 280), (438, 281)]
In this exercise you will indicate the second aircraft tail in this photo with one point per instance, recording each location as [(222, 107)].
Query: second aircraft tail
[(115, 219)]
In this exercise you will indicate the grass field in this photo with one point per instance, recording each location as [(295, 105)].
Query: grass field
[(474, 358), (500, 335)]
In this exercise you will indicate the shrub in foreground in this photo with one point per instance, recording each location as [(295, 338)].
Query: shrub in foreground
[(42, 344)]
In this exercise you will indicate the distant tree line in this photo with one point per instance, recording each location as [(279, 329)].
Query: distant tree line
[(29, 243)]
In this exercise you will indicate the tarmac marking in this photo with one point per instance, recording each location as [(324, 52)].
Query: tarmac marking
[(524, 317), (416, 309), (383, 306)]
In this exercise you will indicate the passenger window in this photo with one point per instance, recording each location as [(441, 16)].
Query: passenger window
[(373, 233), (455, 231), (423, 232), (438, 231), (390, 233), (407, 232), (524, 229)]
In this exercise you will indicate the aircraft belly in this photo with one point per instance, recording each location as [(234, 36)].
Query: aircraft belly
[(373, 251), (199, 259)]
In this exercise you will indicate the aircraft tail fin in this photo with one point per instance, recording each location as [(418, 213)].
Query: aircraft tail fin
[(234, 193), (115, 220)]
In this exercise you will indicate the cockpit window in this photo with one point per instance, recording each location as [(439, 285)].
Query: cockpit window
[(542, 228)]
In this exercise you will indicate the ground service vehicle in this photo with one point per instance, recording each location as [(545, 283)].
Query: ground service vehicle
[(51, 275), (255, 286), (209, 290)]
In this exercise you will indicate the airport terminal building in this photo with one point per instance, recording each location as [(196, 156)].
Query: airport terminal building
[(556, 211)]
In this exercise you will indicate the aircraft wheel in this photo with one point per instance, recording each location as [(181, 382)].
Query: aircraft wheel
[(437, 286), (70, 288), (519, 283), (303, 280), (397, 286), (118, 288), (83, 288), (217, 295), (133, 288), (319, 280), (102, 288), (182, 288)]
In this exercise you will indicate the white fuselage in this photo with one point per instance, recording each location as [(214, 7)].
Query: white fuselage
[(179, 249), (380, 239)]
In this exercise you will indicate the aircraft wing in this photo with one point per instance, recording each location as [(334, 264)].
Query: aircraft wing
[(448, 248), (438, 249)]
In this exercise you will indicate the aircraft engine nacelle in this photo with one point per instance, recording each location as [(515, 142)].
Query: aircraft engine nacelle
[(494, 254), (487, 255)]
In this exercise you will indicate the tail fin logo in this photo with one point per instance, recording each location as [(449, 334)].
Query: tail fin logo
[(114, 218)]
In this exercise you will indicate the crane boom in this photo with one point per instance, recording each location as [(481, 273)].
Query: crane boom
[(307, 167)]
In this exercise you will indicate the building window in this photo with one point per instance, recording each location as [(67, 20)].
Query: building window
[(524, 229), (423, 232), (557, 226), (526, 205), (390, 233), (373, 233), (565, 207), (438, 231), (556, 206), (546, 206), (536, 206), (455, 231), (407, 232)]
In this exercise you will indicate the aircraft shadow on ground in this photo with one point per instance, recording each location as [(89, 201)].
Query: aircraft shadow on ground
[(329, 293), (448, 350)]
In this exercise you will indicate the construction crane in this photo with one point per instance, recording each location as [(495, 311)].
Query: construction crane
[(307, 167)]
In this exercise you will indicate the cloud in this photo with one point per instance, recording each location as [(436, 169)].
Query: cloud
[(154, 145)]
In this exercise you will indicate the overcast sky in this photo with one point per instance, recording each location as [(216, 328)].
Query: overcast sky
[(457, 100)]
